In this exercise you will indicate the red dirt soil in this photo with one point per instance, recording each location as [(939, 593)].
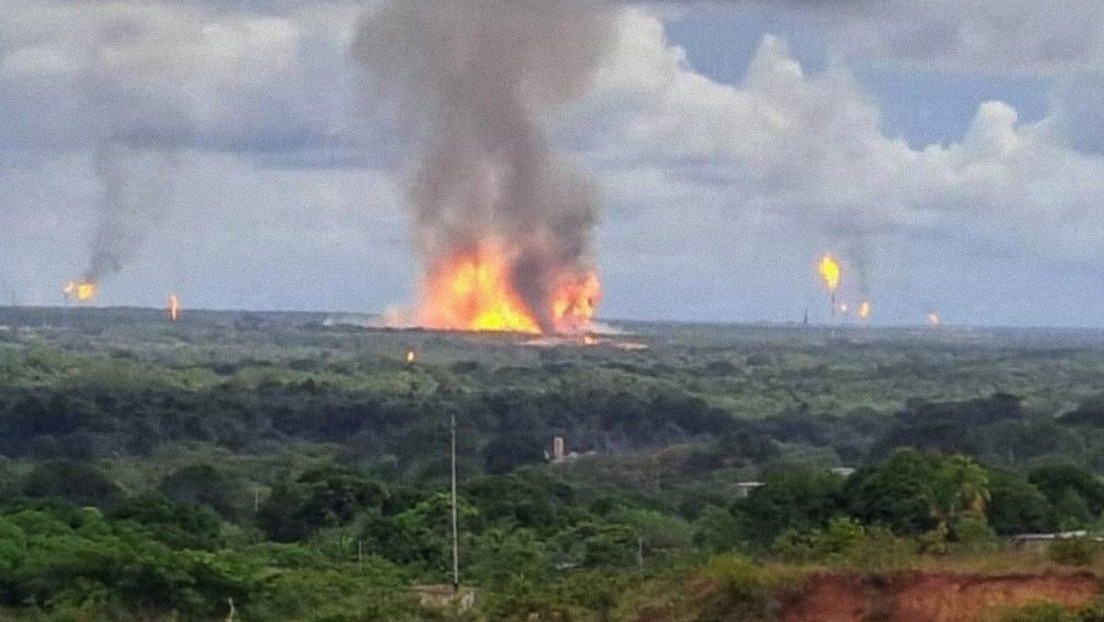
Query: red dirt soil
[(930, 597)]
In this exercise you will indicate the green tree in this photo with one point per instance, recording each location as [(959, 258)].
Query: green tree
[(178, 525), (790, 499), (716, 530), (897, 493), (1076, 493), (77, 482), (203, 484), (497, 556), (1017, 506), (318, 499)]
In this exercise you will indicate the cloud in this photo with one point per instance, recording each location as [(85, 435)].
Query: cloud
[(714, 187), (990, 36), (973, 35), (191, 75), (810, 147)]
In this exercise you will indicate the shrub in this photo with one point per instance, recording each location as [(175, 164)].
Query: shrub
[(739, 593), (1092, 612), (1042, 612), (1074, 551)]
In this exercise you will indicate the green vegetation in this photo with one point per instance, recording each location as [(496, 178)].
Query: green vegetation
[(283, 468)]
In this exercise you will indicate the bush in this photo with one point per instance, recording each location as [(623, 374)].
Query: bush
[(1074, 551), (1092, 612), (1042, 612), (739, 593)]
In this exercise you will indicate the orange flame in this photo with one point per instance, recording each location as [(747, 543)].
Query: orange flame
[(830, 271), (82, 291), (411, 356), (174, 307), (864, 310), (476, 293)]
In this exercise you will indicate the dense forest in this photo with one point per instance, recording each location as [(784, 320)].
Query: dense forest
[(294, 466)]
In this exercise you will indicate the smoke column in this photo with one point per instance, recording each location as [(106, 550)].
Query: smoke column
[(470, 81), (137, 126), (135, 195)]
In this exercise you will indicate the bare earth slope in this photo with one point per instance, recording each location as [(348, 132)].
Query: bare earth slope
[(930, 597)]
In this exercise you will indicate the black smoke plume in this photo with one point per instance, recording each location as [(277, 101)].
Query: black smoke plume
[(470, 83)]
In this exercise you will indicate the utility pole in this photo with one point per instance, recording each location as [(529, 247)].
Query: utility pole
[(455, 513)]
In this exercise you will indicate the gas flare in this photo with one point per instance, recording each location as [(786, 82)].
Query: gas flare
[(864, 310), (174, 307), (934, 319), (477, 292), (81, 291), (831, 272)]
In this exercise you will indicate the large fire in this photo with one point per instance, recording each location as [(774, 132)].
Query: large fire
[(81, 291), (477, 293), (830, 271)]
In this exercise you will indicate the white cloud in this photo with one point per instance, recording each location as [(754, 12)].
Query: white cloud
[(185, 74), (811, 147), (998, 36)]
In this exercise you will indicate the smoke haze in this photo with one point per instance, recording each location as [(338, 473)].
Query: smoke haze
[(470, 81), (135, 196)]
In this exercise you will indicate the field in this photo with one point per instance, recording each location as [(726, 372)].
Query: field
[(296, 465)]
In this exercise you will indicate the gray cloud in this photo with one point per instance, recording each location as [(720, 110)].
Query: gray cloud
[(689, 165), (807, 152), (188, 74)]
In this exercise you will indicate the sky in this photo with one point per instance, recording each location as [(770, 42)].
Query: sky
[(949, 152)]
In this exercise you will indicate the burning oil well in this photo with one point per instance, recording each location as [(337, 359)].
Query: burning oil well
[(504, 224)]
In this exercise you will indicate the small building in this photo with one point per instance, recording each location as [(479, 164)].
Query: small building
[(1040, 541), (560, 454), (743, 489), (558, 449)]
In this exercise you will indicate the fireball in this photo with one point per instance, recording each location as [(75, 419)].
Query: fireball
[(81, 291), (477, 292)]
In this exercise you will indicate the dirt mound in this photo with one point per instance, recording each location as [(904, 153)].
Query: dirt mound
[(929, 597)]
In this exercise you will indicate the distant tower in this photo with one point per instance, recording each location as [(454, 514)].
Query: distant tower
[(558, 449), (805, 322)]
